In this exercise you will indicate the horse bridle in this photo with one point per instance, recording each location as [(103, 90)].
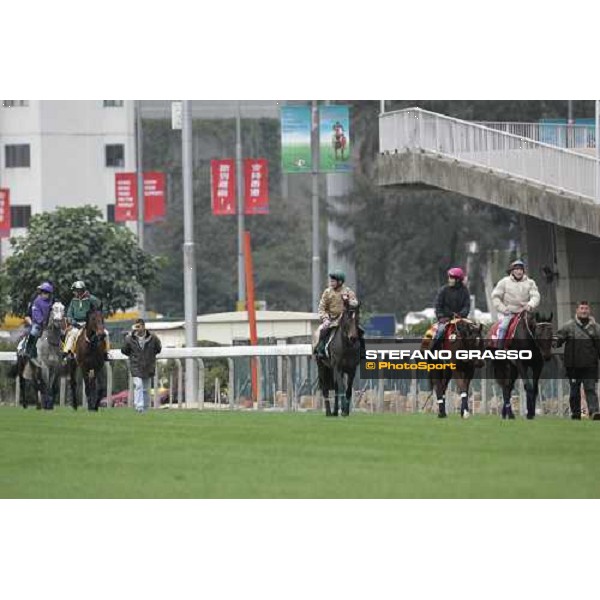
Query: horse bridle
[(531, 334)]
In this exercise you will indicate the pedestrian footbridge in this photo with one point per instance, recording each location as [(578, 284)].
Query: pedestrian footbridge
[(554, 184)]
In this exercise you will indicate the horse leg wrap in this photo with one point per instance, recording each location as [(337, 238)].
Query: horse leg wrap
[(441, 406)]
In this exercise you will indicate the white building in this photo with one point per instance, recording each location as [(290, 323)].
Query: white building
[(63, 153), (66, 152)]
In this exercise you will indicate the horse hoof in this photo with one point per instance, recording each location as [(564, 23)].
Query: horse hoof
[(465, 414), (442, 415), (529, 417)]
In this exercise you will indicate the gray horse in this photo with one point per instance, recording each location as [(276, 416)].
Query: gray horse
[(44, 371)]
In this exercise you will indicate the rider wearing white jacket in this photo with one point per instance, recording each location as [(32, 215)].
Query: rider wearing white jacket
[(513, 294)]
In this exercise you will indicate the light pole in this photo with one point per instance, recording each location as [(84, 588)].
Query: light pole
[(240, 207), (189, 258), (140, 194), (316, 252)]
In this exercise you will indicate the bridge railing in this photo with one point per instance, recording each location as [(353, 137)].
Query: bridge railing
[(555, 134), (543, 164)]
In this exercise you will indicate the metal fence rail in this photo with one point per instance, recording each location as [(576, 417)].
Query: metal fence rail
[(543, 164), (287, 378), (554, 134)]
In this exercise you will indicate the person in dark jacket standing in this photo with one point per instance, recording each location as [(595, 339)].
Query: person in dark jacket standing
[(453, 300), (141, 346), (581, 337)]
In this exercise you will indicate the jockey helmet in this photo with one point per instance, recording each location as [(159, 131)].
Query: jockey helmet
[(457, 273), (517, 264), (338, 274), (78, 285), (46, 287)]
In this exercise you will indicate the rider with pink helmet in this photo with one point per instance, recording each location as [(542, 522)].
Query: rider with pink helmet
[(453, 300)]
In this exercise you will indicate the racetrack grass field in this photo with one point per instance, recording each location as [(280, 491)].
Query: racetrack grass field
[(171, 454)]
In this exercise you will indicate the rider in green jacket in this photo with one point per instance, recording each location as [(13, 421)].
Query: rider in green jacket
[(79, 307), (81, 304)]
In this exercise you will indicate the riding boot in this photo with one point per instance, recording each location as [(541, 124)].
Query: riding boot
[(31, 346), (320, 349)]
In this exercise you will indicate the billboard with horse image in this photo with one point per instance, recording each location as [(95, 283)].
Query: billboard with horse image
[(334, 139)]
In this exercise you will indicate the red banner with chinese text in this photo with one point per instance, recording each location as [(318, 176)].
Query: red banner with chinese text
[(256, 186), (126, 197), (222, 176), (4, 212)]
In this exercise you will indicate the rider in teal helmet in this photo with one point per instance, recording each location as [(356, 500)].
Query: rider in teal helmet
[(331, 307)]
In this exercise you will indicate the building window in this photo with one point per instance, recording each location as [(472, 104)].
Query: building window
[(17, 155), (14, 103), (115, 155), (110, 213), (20, 216), (113, 103)]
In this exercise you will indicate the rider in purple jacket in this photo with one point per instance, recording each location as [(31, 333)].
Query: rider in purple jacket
[(39, 317)]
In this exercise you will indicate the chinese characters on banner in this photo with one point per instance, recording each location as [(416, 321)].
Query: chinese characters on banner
[(256, 186), (222, 175), (4, 212), (126, 197)]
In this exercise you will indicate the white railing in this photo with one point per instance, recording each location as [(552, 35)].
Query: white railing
[(417, 129), (554, 134)]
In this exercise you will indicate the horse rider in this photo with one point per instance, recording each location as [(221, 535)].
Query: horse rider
[(514, 294), (38, 318), (331, 307), (81, 304), (453, 300)]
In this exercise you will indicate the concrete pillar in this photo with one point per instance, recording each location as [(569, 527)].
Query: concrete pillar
[(340, 246), (564, 309)]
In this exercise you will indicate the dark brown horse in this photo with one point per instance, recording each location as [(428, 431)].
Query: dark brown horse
[(344, 358), (465, 335), (531, 333), (90, 350)]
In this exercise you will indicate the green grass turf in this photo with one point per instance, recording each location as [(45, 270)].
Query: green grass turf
[(120, 454)]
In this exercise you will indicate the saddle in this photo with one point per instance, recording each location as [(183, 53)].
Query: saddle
[(510, 331), (449, 334)]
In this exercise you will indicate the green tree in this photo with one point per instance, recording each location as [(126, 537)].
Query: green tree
[(76, 243)]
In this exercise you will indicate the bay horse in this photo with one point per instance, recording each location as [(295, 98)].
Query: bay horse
[(43, 373), (343, 360), (466, 335), (533, 332), (90, 350)]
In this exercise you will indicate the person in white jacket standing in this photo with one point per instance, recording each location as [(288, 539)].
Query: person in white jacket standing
[(513, 294)]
